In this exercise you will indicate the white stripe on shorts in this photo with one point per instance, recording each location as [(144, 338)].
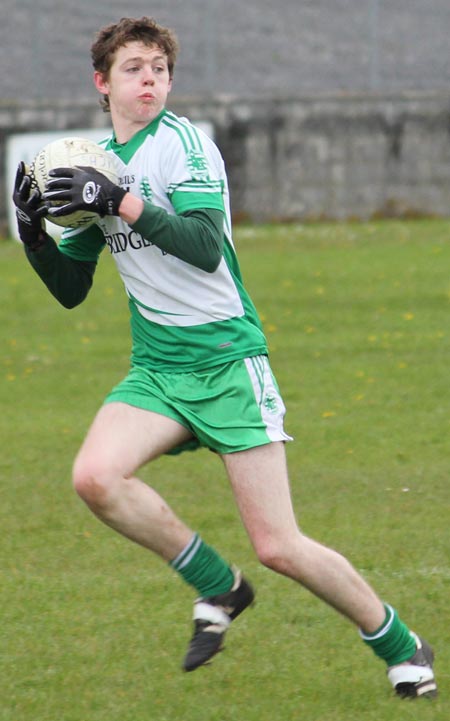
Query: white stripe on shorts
[(268, 397)]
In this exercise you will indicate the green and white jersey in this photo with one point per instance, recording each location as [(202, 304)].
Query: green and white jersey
[(181, 316)]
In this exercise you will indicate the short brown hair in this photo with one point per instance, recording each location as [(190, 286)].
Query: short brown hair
[(145, 30)]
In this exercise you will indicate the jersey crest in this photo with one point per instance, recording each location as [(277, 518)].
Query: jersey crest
[(197, 165), (145, 188)]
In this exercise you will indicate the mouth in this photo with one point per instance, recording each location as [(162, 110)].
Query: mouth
[(146, 96)]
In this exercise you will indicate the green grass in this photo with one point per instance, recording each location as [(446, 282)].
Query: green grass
[(94, 628)]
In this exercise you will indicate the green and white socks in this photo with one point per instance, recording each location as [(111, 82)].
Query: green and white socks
[(392, 641), (202, 567)]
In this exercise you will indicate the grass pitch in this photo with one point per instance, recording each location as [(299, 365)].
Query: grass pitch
[(94, 628)]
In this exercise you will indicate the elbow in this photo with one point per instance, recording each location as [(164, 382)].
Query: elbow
[(70, 301), (70, 304), (210, 265), (69, 296)]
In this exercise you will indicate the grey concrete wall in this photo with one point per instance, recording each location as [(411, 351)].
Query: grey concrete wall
[(257, 48), (320, 157), (335, 157)]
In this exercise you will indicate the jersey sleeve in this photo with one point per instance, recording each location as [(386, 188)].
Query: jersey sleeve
[(68, 280), (83, 245), (196, 237), (194, 170)]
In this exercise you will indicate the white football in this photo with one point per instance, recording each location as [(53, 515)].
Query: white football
[(69, 153)]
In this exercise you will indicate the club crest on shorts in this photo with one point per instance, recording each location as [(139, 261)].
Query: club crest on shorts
[(270, 403)]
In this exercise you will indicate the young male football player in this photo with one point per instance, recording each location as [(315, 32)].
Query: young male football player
[(199, 373)]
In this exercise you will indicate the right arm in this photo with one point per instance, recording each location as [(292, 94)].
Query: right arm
[(68, 279)]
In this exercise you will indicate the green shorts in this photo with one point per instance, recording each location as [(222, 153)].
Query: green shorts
[(229, 408)]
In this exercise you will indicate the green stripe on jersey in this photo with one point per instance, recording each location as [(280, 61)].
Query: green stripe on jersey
[(82, 245), (166, 347), (187, 133), (169, 347), (127, 150), (197, 186), (186, 198)]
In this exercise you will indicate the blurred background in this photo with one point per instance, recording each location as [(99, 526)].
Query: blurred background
[(321, 108), (252, 48)]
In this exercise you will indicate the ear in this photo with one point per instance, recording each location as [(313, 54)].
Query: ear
[(101, 83)]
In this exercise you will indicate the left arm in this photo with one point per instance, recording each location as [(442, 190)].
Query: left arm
[(195, 236)]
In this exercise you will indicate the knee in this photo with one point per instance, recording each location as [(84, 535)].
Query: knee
[(275, 554), (92, 483)]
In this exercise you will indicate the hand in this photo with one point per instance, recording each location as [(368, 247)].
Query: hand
[(83, 188), (29, 211)]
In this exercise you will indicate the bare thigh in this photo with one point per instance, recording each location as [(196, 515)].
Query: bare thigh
[(260, 483), (122, 438)]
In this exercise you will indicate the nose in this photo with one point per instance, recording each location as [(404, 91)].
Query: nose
[(148, 77)]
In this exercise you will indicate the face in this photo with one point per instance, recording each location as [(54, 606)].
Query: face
[(137, 86)]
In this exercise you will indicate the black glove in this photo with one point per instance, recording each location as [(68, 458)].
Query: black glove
[(83, 188), (29, 211)]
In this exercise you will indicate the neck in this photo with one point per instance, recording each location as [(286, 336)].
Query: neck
[(125, 129)]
